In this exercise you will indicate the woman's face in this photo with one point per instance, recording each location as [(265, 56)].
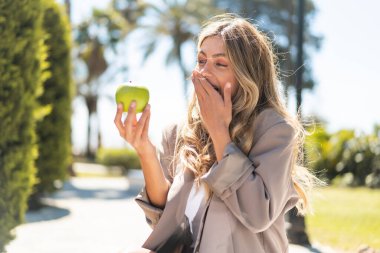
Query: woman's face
[(213, 64)]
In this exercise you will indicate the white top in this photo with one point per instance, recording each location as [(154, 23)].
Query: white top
[(195, 204)]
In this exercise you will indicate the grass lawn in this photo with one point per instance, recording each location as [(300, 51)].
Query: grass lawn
[(345, 218)]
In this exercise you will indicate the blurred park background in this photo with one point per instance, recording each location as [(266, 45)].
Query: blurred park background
[(61, 62)]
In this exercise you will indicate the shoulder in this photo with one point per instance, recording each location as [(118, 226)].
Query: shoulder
[(270, 120), (171, 131)]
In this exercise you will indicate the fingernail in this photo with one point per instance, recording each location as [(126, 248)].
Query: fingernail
[(119, 106), (133, 104)]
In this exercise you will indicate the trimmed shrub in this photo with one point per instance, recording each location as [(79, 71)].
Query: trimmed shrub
[(125, 158), (324, 151), (54, 130), (317, 148), (361, 161), (345, 158), (22, 62)]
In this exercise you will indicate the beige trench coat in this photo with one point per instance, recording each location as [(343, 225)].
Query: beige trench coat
[(251, 194)]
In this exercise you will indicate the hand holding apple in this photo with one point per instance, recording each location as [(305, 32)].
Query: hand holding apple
[(125, 94), (133, 131), (136, 133)]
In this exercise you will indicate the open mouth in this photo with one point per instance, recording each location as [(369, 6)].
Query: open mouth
[(214, 86), (217, 89)]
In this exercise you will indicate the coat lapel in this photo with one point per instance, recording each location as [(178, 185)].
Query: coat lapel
[(173, 214)]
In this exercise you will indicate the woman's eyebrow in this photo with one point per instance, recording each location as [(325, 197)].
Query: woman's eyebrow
[(214, 55)]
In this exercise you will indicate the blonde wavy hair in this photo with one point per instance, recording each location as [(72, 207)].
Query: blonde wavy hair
[(255, 67)]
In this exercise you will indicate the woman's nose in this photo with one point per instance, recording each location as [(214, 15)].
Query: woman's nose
[(205, 71)]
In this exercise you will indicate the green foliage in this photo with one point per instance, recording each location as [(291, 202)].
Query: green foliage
[(126, 158), (324, 151), (361, 159), (21, 75), (176, 21), (54, 130), (345, 157)]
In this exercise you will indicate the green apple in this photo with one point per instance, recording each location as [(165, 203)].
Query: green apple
[(125, 94)]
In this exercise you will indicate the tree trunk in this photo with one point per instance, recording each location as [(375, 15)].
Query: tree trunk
[(177, 44), (68, 9), (88, 148), (286, 95), (91, 101), (297, 231), (99, 130), (183, 70)]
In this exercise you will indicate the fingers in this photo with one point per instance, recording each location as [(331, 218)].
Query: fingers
[(142, 121), (133, 131), (146, 127), (130, 120), (227, 96), (206, 85), (203, 83), (199, 90), (117, 121)]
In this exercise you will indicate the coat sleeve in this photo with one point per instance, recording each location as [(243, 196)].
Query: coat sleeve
[(165, 154), (256, 188)]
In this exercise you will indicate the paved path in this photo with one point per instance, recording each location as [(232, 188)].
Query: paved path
[(89, 215)]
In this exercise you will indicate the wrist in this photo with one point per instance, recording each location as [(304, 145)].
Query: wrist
[(220, 135), (148, 150), (220, 141)]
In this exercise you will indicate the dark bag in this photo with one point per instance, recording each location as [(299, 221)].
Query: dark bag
[(180, 241)]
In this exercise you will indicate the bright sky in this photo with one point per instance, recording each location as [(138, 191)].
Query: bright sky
[(347, 66), (346, 70)]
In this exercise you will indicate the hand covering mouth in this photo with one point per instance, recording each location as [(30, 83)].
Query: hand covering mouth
[(213, 85)]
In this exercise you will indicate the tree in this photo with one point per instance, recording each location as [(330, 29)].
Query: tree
[(105, 29), (278, 19), (22, 72), (94, 38), (54, 129), (178, 21), (68, 9)]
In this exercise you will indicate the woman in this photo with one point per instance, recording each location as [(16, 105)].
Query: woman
[(224, 179)]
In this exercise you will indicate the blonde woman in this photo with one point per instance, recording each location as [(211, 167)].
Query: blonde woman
[(225, 178)]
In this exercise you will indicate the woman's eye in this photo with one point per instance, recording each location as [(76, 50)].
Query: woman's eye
[(221, 64), (201, 61)]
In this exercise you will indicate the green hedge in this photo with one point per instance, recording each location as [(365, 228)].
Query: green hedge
[(345, 157), (361, 162), (54, 130), (21, 75), (325, 150), (125, 158)]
